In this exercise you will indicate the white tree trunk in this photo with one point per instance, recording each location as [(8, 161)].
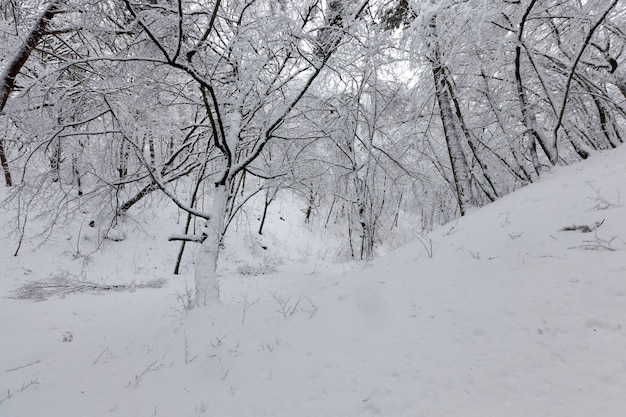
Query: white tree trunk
[(460, 171), (205, 276)]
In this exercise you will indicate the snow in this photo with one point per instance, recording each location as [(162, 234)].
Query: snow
[(510, 316)]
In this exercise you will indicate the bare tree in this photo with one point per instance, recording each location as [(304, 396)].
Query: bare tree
[(250, 80)]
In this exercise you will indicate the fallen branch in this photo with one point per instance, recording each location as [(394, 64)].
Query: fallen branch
[(24, 387), (593, 247), (63, 285), (23, 366)]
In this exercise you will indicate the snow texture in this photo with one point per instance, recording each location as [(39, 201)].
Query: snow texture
[(501, 313)]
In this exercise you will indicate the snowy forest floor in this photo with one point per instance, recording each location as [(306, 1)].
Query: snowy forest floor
[(501, 313)]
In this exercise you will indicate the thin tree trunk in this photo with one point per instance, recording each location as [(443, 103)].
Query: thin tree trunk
[(607, 124), (396, 215), (572, 72), (268, 201), (350, 236), (55, 161), (620, 82), (330, 211), (76, 172), (579, 146), (367, 238), (491, 193), (5, 165), (522, 173), (309, 208), (124, 154), (530, 120), (151, 150), (194, 197)]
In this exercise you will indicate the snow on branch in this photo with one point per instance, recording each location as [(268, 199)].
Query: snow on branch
[(188, 238)]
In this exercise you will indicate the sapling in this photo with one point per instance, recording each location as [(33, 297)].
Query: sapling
[(286, 307)]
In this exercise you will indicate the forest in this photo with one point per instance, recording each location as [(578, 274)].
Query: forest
[(383, 118)]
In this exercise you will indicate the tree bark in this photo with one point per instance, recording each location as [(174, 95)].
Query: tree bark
[(460, 170), (5, 165), (269, 197), (205, 273), (530, 120)]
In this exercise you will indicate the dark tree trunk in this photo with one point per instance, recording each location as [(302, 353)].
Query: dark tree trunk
[(5, 165), (268, 201), (530, 120)]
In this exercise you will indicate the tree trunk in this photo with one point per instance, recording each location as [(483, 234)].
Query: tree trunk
[(367, 235), (268, 200), (460, 170), (194, 197), (521, 172), (55, 160), (530, 120), (330, 211), (490, 191), (15, 66), (607, 125), (124, 155), (5, 165), (205, 274), (309, 208), (76, 172), (561, 113)]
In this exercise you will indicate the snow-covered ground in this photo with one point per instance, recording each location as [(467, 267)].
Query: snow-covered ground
[(501, 313)]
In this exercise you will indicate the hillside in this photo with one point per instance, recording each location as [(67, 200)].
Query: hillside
[(501, 313)]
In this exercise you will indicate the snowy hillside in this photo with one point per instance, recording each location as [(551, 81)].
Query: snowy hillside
[(502, 313)]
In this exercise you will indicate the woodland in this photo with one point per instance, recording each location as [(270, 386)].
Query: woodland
[(380, 116)]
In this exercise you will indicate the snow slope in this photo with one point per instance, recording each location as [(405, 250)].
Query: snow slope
[(498, 314)]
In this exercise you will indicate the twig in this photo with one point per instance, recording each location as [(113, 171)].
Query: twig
[(601, 202), (100, 355), (25, 385), (23, 366), (451, 230), (188, 359), (427, 243), (593, 247), (286, 308), (145, 371), (246, 306)]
